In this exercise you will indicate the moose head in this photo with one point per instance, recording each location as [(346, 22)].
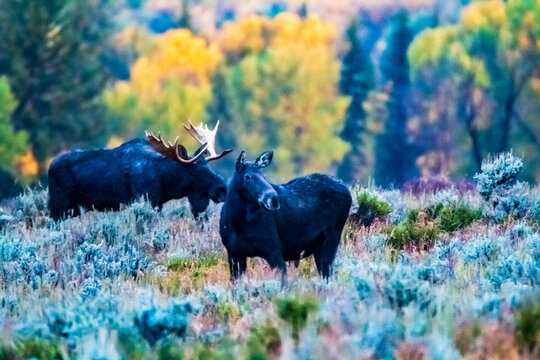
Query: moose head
[(191, 175), (251, 185)]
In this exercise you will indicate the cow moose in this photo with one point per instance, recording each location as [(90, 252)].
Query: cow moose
[(282, 222), (102, 179)]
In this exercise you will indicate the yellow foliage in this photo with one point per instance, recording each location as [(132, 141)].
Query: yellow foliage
[(27, 166), (114, 142), (243, 35), (255, 33), (483, 14), (289, 30), (285, 73), (299, 103), (179, 56)]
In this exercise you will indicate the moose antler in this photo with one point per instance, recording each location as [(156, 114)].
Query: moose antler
[(204, 135), (172, 151)]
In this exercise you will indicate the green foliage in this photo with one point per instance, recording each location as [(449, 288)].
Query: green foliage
[(12, 143), (416, 231), (132, 347), (194, 263), (38, 349), (50, 52), (422, 226), (295, 311), (528, 324), (452, 218), (367, 207), (170, 351), (228, 311), (263, 341)]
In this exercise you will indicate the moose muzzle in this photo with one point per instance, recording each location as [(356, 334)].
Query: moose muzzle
[(269, 200)]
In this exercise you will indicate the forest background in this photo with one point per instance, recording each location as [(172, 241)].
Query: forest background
[(382, 91)]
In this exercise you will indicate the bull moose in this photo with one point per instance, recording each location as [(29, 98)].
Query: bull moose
[(282, 222), (102, 179)]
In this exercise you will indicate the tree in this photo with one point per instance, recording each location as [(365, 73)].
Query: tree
[(13, 144), (219, 108), (168, 87), (485, 65), (395, 155), (50, 52), (298, 111), (185, 17), (356, 81), (447, 79)]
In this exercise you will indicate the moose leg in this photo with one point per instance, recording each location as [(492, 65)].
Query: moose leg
[(276, 261), (237, 266), (326, 253)]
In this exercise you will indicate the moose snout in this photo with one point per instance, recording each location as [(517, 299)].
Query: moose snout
[(219, 194), (269, 201)]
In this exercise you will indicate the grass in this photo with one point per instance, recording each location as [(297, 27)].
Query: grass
[(125, 284)]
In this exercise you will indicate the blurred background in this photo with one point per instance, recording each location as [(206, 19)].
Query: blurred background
[(368, 90)]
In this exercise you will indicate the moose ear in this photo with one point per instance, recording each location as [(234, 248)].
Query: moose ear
[(265, 159), (201, 148), (240, 162), (182, 152)]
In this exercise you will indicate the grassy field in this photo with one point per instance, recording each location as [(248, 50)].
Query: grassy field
[(440, 276)]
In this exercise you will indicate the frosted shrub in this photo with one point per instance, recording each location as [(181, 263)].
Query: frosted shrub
[(442, 348), (103, 285), (400, 206), (511, 201), (143, 209), (156, 323), (504, 196), (536, 210), (404, 287), (500, 170), (32, 204)]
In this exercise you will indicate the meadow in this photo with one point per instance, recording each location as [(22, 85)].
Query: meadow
[(447, 274)]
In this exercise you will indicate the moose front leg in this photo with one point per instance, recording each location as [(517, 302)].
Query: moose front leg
[(276, 261), (237, 266)]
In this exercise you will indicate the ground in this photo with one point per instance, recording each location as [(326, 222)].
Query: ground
[(143, 283)]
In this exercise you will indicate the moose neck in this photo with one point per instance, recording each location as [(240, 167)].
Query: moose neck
[(245, 208), (175, 180)]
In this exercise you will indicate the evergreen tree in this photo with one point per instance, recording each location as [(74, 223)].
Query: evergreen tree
[(394, 155), (185, 17), (356, 81), (303, 11), (219, 109), (51, 53)]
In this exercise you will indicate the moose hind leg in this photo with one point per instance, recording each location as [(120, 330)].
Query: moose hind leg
[(61, 205), (326, 253)]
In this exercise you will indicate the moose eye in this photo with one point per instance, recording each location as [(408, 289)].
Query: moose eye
[(247, 178)]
